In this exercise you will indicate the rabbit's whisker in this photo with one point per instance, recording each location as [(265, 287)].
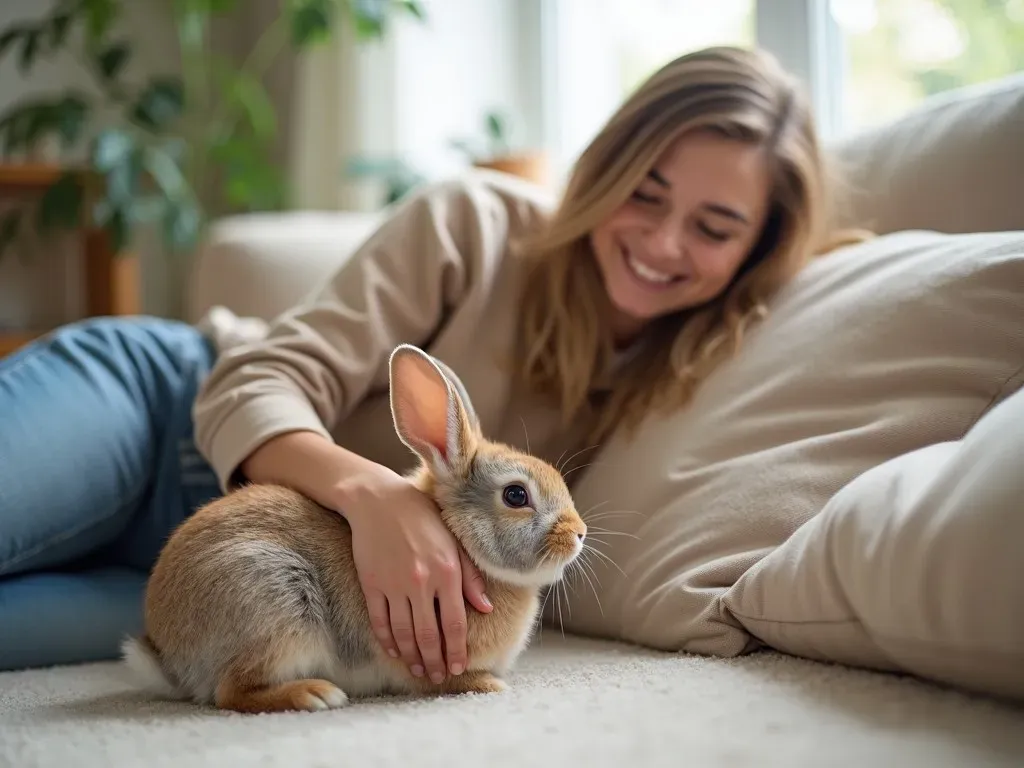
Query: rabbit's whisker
[(580, 566), (591, 531), (582, 450), (612, 513), (580, 466), (603, 556), (584, 515), (527, 434)]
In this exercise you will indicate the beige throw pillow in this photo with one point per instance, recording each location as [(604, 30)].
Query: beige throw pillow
[(875, 350)]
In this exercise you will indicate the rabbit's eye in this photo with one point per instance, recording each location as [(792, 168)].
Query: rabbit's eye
[(515, 496)]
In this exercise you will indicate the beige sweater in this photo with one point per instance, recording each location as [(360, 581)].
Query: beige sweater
[(437, 274)]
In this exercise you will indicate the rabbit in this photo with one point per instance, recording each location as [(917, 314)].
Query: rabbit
[(254, 604)]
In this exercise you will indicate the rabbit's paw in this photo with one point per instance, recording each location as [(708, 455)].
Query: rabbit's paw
[(298, 695), (475, 682)]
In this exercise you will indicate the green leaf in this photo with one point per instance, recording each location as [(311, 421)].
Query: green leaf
[(370, 18), (160, 103), (25, 124), (205, 7), (118, 229), (116, 155), (10, 37), (192, 26), (9, 226), (123, 180), (495, 126), (72, 113), (148, 208), (369, 28), (102, 212), (100, 16), (176, 148), (113, 59), (181, 225), (414, 8), (111, 149), (61, 203), (251, 96), (60, 23), (29, 49), (310, 21), (165, 172), (251, 181)]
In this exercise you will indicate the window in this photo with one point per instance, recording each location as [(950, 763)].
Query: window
[(603, 49), (863, 61), (895, 53)]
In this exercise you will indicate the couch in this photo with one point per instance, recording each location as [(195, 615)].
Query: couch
[(884, 354), (896, 346)]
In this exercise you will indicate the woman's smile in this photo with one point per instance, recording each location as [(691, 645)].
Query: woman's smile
[(648, 276)]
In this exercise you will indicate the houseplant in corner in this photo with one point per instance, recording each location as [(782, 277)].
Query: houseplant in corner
[(178, 144), (495, 151)]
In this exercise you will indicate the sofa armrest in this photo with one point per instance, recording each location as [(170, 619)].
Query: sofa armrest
[(259, 265)]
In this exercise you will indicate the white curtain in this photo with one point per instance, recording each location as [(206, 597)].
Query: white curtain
[(342, 107)]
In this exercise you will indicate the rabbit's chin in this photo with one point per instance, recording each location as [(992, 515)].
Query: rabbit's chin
[(536, 578)]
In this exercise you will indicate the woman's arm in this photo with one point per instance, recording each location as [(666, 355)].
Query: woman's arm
[(268, 409)]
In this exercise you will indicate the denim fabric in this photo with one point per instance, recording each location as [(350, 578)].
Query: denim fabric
[(97, 466)]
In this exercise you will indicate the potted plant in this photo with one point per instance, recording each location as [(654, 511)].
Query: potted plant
[(397, 176), (176, 137), (495, 151)]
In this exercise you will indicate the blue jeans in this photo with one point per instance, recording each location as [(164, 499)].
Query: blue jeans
[(97, 467)]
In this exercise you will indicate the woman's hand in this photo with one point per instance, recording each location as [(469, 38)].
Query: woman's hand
[(406, 558)]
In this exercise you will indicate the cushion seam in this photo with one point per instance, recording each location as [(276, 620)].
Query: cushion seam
[(876, 636)]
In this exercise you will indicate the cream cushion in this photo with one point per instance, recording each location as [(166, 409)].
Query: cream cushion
[(874, 351), (258, 265), (913, 566), (954, 164)]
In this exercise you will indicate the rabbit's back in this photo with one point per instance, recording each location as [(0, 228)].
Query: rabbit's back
[(260, 568)]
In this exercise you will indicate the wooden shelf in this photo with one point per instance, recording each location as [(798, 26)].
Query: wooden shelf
[(111, 280), (29, 175)]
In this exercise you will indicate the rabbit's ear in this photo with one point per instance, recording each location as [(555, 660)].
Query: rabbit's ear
[(429, 413), (461, 391)]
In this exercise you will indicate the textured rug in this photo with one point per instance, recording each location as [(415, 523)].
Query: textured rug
[(601, 704)]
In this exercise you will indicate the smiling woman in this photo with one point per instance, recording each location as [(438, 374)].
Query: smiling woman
[(702, 195), (685, 231)]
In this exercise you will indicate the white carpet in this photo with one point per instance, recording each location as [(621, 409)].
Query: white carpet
[(573, 700)]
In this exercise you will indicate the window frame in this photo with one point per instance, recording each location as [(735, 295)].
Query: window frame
[(802, 34)]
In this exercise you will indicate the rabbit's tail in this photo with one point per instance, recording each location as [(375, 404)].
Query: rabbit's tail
[(143, 659)]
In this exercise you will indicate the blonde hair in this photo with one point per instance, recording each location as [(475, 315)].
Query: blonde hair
[(565, 339)]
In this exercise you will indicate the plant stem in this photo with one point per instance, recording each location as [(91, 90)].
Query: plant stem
[(195, 100), (259, 60)]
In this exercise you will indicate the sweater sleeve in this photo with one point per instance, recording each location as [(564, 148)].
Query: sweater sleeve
[(316, 362)]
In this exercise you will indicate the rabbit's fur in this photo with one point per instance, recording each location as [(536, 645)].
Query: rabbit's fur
[(254, 603)]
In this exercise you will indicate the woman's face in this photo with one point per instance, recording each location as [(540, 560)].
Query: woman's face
[(686, 230)]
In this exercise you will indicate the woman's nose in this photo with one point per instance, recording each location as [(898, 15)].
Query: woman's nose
[(664, 242)]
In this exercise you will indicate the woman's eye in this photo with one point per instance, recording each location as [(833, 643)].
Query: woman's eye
[(713, 234), (638, 195), (515, 496)]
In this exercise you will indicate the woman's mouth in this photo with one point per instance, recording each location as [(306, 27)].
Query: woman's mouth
[(647, 275)]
